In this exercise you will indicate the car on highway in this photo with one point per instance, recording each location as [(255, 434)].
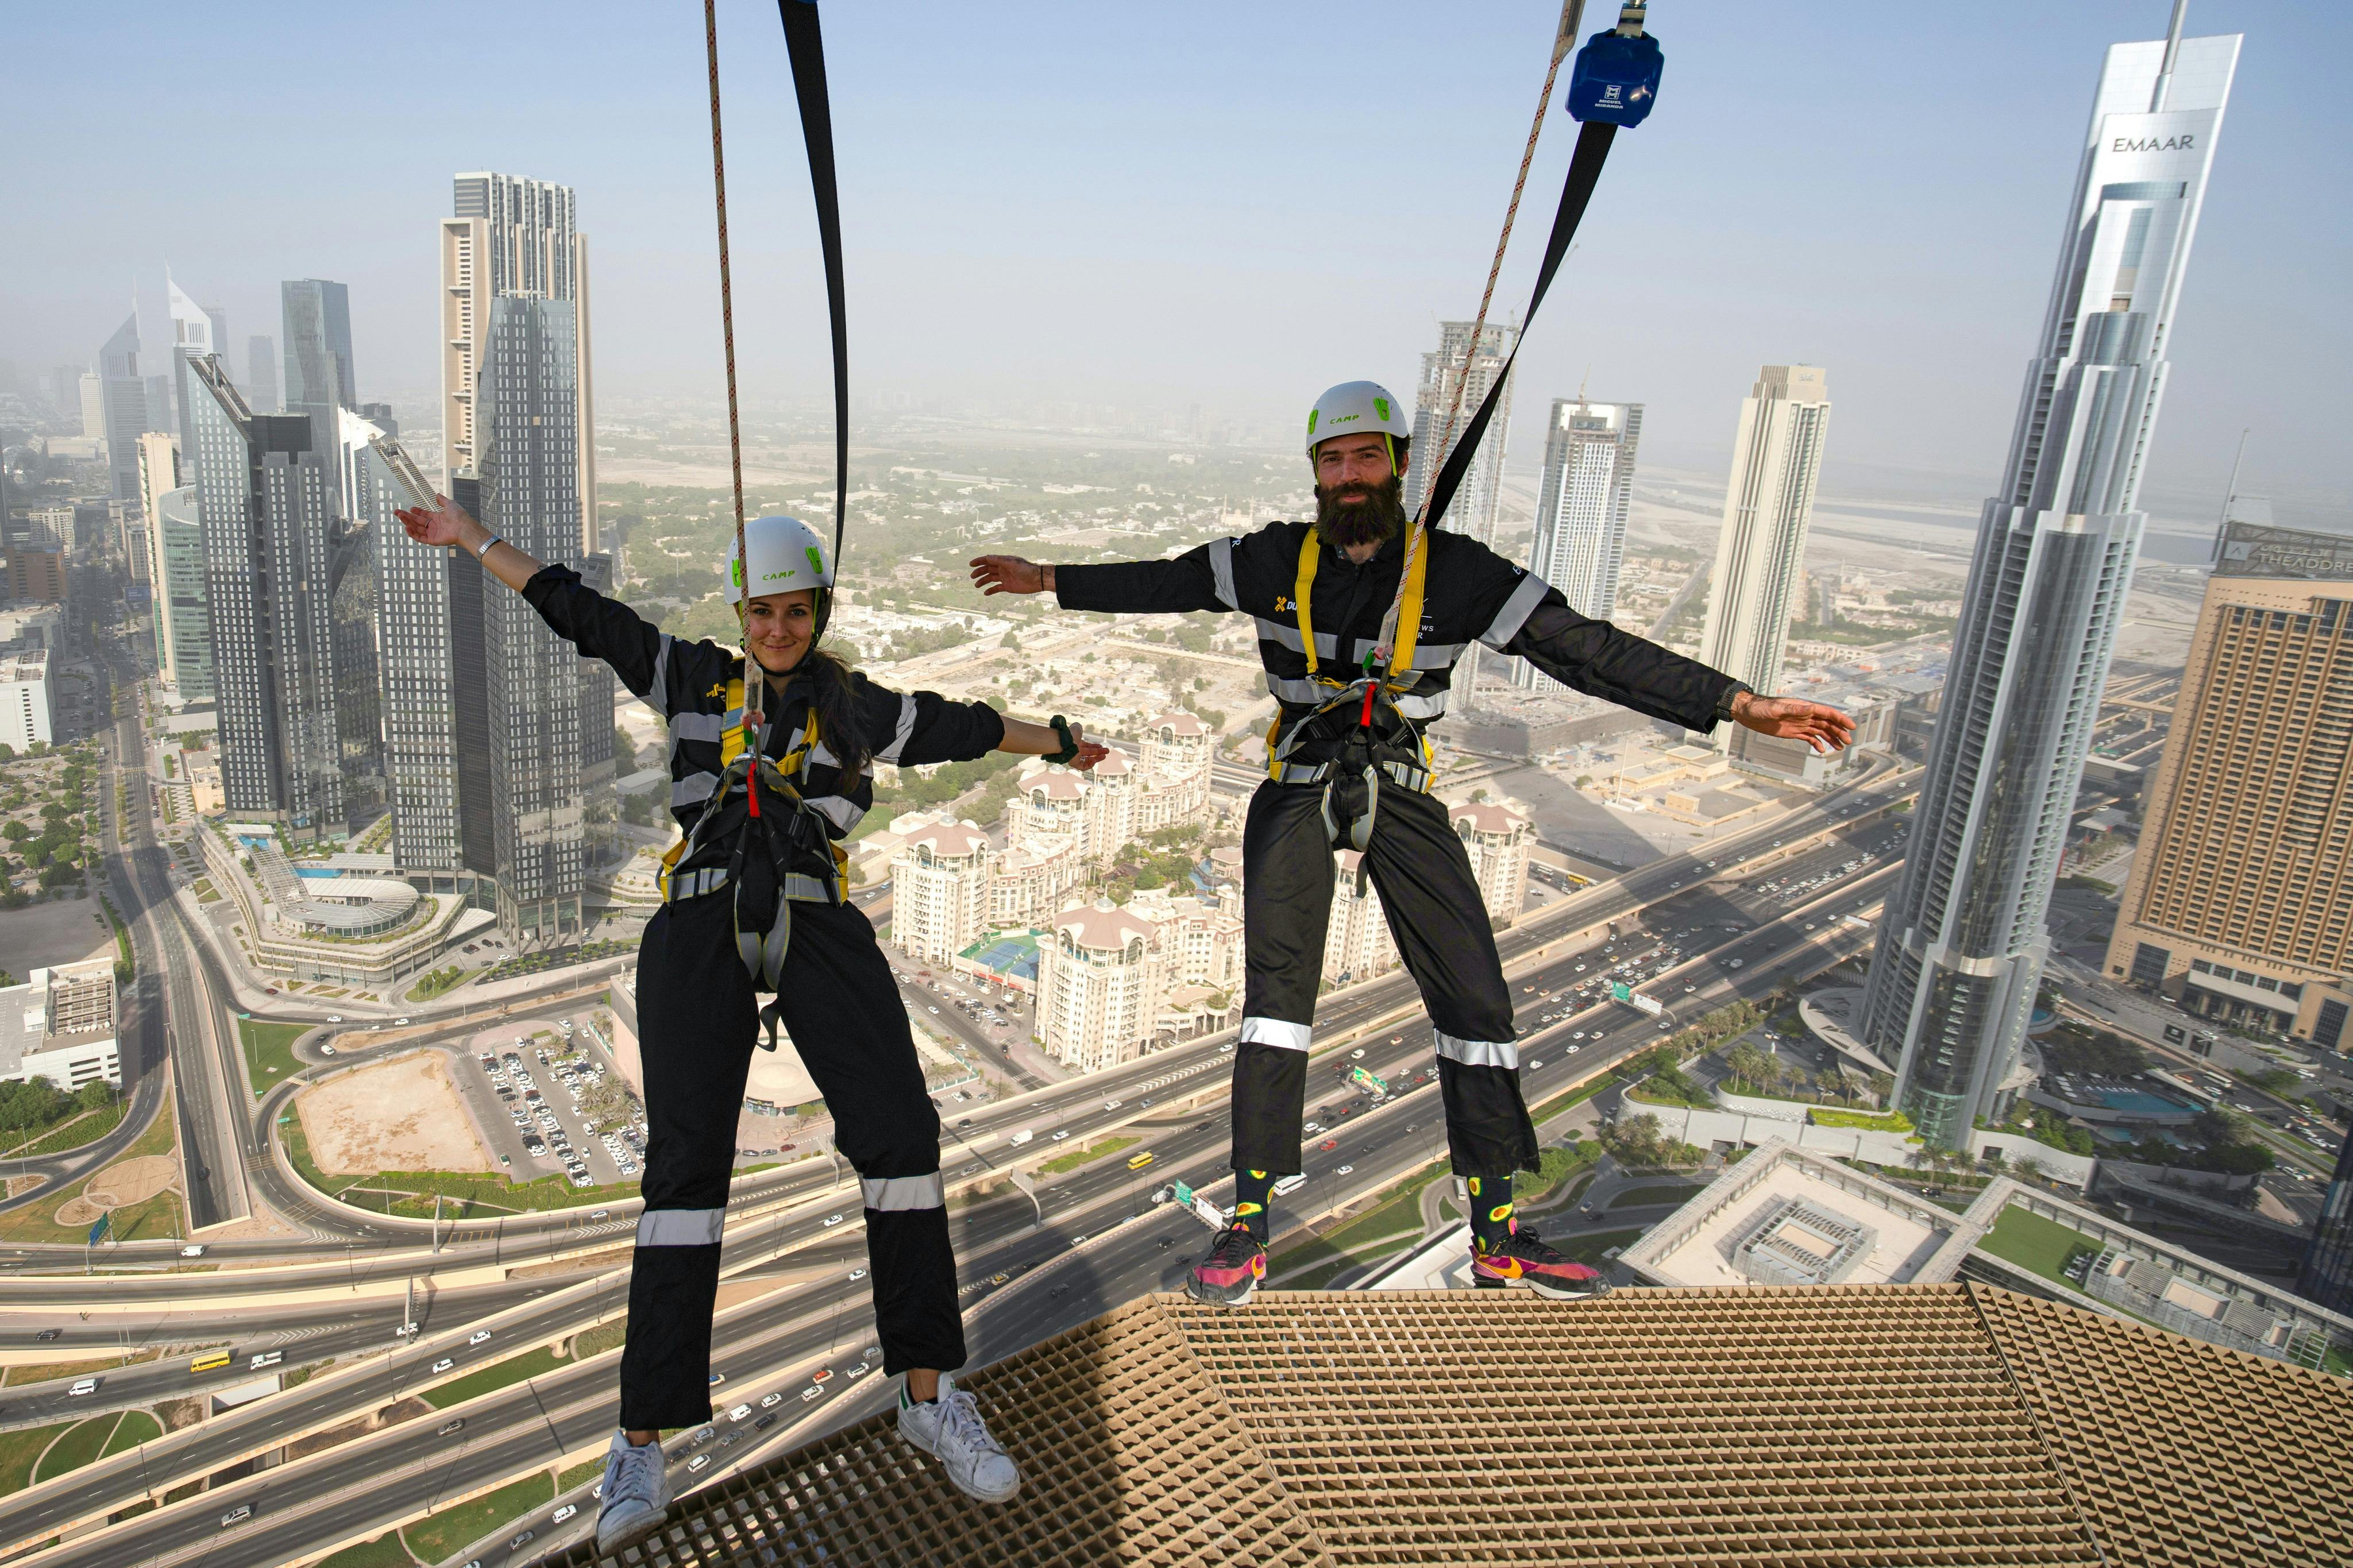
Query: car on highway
[(831, 1220), (764, 1422), (697, 1462), (326, 1050), (450, 1427), (812, 1392), (776, 1398), (740, 1412), (446, 1362), (857, 1273), (398, 1021), (237, 1515), (1060, 1136), (567, 1511), (519, 1542), (83, 1385), (859, 1371), (1111, 1104), (338, 1018), (477, 1336), (1329, 1144), (1340, 1170), (194, 1249), (717, 1379), (265, 1357)]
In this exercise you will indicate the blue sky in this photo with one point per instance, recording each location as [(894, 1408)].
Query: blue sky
[(1232, 204)]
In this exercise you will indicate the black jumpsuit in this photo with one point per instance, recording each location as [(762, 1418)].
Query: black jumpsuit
[(697, 1014), (1417, 861)]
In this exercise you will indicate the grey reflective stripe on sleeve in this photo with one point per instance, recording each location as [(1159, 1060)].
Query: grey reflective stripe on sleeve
[(842, 812), (1290, 1036), (822, 756), (1221, 566), (681, 1227), (1429, 707), (892, 1192), (1477, 1053), (693, 788), (890, 753), (657, 690), (1516, 611)]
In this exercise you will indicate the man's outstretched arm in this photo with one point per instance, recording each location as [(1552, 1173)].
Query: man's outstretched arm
[(1189, 581)]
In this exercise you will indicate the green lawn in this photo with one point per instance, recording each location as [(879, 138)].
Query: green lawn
[(580, 1473), (269, 1059), (77, 1448), (598, 1339), (384, 1552), (137, 1427), (88, 1127), (2032, 1242), (445, 1534), (19, 1448), (1322, 1260), (1667, 1193), (1588, 1249), (498, 1374), (1077, 1157)]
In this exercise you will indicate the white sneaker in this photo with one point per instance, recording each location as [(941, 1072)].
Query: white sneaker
[(635, 1498), (950, 1429)]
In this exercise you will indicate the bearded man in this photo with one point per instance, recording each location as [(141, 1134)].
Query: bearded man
[(1360, 621)]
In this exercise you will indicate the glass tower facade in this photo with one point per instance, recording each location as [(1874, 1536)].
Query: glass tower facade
[(1962, 944)]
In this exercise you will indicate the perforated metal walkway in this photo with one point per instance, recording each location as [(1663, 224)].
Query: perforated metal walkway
[(1845, 1424)]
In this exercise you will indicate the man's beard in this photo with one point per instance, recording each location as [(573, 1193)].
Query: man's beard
[(1353, 514)]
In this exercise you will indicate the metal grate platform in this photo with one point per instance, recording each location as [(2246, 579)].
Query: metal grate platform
[(1839, 1424)]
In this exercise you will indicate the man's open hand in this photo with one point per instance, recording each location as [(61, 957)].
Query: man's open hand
[(1010, 574), (1817, 724)]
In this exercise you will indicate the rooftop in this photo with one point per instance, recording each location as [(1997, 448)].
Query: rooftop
[(1101, 926), (1947, 1424)]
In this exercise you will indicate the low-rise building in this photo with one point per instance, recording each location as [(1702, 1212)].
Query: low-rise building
[(28, 690), (940, 891), (1497, 840), (60, 1024), (1103, 977)]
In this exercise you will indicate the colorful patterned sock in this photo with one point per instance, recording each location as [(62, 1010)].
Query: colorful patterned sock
[(1253, 1190), (1491, 1209)]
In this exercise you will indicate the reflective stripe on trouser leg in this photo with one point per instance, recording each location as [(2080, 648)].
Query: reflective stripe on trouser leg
[(840, 1004), (1439, 923), (681, 1227), (1277, 1032), (1286, 903)]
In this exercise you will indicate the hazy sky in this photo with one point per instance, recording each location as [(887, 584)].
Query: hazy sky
[(1227, 204)]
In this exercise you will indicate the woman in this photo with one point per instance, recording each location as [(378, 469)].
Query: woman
[(821, 728)]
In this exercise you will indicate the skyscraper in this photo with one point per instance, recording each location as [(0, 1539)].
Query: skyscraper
[(264, 498), (1580, 540), (2241, 895), (192, 335), (184, 632), (512, 236), (1768, 504), (124, 396), (317, 323), (529, 394), (1459, 364), (261, 373), (1961, 945)]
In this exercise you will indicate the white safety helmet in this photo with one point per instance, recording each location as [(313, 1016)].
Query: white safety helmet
[(786, 555), (1352, 406)]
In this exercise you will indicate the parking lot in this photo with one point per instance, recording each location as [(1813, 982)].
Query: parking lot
[(553, 1103)]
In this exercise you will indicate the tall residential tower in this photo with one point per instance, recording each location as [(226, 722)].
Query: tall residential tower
[(1580, 540), (1962, 944), (1768, 505), (1461, 366), (2240, 904)]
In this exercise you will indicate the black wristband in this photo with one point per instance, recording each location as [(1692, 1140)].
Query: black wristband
[(1070, 752), (1723, 704)]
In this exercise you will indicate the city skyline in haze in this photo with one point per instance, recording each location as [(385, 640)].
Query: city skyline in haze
[(1109, 208)]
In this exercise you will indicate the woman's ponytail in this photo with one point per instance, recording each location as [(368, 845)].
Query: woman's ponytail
[(837, 709)]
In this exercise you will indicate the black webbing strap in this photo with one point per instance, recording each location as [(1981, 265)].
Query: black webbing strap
[(1585, 168), (807, 45)]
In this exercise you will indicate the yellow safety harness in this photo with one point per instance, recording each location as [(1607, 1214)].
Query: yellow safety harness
[(781, 778), (1365, 690)]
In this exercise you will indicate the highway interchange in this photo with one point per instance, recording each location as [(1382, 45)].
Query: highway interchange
[(780, 1228)]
